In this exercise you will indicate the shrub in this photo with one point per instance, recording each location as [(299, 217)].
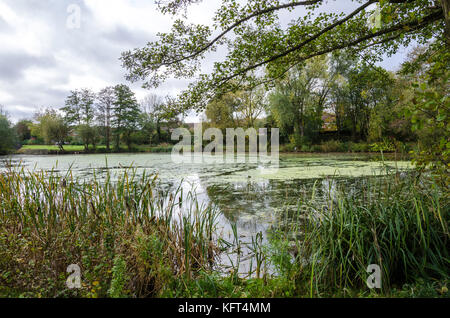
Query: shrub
[(119, 278), (359, 147), (305, 148), (331, 146), (384, 146)]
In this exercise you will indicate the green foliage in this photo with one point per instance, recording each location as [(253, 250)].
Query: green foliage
[(221, 112), (332, 146), (297, 103), (23, 130), (384, 146), (126, 115), (156, 111), (430, 110), (51, 127), (119, 278), (80, 112), (8, 138)]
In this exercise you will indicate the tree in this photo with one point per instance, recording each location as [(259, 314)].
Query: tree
[(252, 105), (255, 38), (341, 63), (23, 130), (429, 107), (221, 112), (126, 115), (297, 101), (8, 138), (106, 98), (72, 108), (80, 111), (154, 112), (53, 127), (368, 87)]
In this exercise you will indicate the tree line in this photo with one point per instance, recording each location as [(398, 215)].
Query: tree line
[(339, 96), (111, 117)]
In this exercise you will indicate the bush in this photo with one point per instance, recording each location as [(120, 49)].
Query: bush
[(288, 148), (384, 146), (331, 146), (35, 142), (359, 147), (305, 148)]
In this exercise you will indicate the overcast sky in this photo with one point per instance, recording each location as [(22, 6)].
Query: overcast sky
[(42, 59)]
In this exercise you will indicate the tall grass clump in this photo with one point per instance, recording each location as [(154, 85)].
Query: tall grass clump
[(128, 239), (398, 223)]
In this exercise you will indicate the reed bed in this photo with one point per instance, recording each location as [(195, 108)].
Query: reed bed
[(400, 224), (129, 239)]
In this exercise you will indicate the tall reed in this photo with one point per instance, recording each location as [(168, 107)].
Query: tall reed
[(400, 224), (106, 225)]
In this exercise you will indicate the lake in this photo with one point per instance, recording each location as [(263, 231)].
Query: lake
[(244, 193)]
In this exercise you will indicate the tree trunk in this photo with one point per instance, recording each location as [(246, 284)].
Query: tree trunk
[(302, 122), (128, 138), (354, 124), (107, 139), (158, 131), (118, 142), (108, 127)]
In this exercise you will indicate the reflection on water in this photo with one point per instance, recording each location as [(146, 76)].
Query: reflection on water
[(244, 193)]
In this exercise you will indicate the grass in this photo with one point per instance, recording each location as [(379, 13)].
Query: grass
[(100, 148), (400, 225), (131, 240), (325, 147), (50, 147), (128, 239)]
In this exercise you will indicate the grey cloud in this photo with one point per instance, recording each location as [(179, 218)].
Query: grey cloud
[(4, 26), (131, 38), (12, 65)]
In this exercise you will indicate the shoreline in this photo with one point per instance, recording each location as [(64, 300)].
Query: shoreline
[(156, 150)]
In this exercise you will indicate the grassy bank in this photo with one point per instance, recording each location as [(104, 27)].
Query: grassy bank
[(76, 149), (349, 146), (130, 241), (332, 146)]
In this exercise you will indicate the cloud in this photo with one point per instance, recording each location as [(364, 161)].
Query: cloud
[(41, 59), (13, 65)]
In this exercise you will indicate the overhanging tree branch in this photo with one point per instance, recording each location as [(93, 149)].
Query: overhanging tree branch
[(239, 22), (414, 24)]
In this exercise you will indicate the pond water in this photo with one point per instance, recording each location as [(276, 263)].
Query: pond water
[(244, 193)]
